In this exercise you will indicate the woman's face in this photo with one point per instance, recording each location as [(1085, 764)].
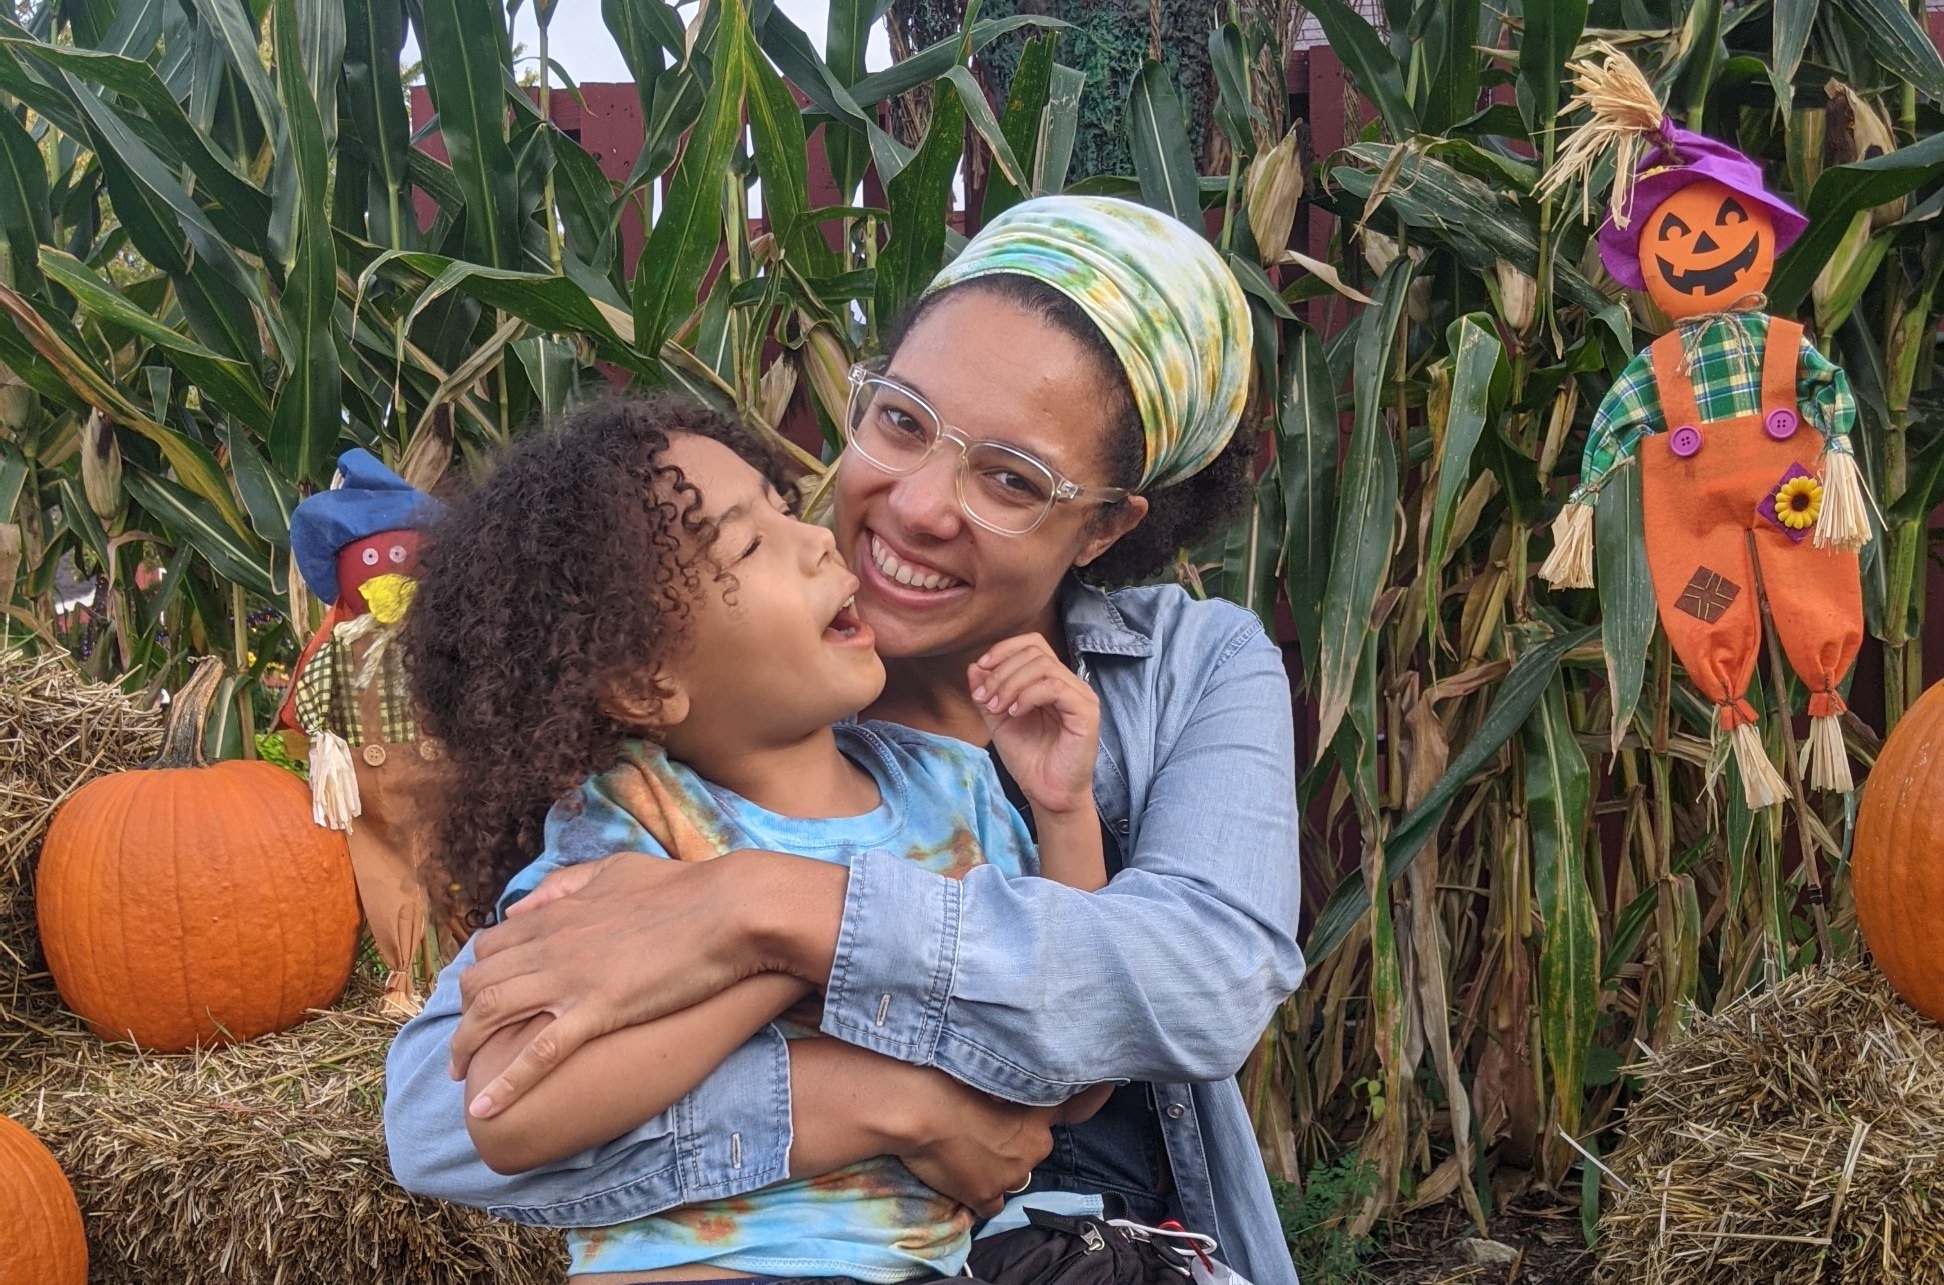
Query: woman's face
[(995, 373)]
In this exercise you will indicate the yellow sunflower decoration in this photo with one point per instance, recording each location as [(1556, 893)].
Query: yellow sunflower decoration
[(1798, 503)]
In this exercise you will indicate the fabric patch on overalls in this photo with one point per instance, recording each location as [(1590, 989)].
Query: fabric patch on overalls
[(1708, 595)]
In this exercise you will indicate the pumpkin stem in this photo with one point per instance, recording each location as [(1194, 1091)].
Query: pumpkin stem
[(182, 738)]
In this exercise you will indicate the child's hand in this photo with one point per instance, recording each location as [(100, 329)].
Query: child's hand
[(1043, 718)]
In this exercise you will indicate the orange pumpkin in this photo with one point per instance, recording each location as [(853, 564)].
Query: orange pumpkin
[(41, 1238), (1897, 860), (186, 905), (1706, 249)]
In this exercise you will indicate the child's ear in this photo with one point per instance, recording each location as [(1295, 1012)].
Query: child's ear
[(656, 705)]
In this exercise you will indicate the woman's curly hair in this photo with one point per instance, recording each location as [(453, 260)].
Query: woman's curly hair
[(561, 580), (1182, 516)]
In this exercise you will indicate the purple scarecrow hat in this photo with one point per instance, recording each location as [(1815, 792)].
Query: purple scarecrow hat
[(1672, 160)]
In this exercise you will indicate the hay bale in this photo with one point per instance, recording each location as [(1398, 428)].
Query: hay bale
[(57, 733), (260, 1164), (1796, 1136)]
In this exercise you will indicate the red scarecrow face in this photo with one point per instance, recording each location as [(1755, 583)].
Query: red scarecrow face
[(387, 553), (1706, 249)]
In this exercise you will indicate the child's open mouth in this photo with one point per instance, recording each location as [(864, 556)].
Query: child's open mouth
[(845, 628)]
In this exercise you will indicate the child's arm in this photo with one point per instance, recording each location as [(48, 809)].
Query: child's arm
[(616, 1082), (1045, 722)]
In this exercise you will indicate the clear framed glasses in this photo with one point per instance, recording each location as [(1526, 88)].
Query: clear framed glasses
[(1001, 488)]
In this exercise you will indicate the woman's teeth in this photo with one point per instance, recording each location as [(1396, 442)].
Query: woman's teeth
[(915, 577)]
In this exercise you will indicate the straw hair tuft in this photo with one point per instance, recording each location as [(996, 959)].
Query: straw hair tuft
[(1626, 112)]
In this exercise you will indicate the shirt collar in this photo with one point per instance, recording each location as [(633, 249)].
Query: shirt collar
[(1094, 625)]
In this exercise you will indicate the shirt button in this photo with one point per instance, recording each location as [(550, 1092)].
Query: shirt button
[(1176, 1110), (1781, 424), (374, 755), (1685, 441), (429, 750)]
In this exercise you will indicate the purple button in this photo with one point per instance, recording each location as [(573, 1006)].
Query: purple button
[(1685, 441), (1781, 424)]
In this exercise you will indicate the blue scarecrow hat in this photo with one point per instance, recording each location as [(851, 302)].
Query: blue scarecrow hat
[(369, 498)]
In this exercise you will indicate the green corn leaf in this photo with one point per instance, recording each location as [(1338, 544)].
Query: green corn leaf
[(1478, 360), (1792, 21), (846, 37), (930, 63), (1450, 43), (1482, 224), (1841, 193), (1699, 58), (23, 200), (637, 33), (978, 112), (1514, 702), (267, 497), (776, 126), (543, 301), (231, 384), (189, 518), (1026, 102), (1233, 110), (374, 97), (585, 199), (310, 405), (1551, 31), (1248, 554), (1900, 43), (685, 238), (1369, 61), (464, 45), (1627, 610), (920, 197), (1058, 128), (1158, 137), (1367, 513), (1557, 785), (551, 369), (231, 23), (1306, 459)]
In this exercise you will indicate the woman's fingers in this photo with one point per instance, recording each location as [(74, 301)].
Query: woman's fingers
[(1004, 680), (543, 1054), (561, 883)]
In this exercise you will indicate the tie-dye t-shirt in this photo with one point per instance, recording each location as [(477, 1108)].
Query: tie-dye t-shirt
[(942, 807)]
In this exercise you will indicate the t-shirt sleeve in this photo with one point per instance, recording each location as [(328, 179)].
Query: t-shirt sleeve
[(584, 826), (1002, 832)]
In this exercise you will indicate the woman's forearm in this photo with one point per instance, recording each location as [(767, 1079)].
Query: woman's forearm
[(616, 1082)]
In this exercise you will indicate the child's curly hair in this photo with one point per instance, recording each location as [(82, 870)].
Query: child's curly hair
[(562, 579)]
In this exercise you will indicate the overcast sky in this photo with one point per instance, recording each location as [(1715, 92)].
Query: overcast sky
[(578, 40)]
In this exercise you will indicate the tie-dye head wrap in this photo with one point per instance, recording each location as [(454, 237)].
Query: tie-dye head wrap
[(1160, 293)]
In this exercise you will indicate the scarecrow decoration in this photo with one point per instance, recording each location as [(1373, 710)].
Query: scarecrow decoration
[(1739, 427), (357, 547)]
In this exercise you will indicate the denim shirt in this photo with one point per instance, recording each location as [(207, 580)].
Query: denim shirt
[(1026, 989)]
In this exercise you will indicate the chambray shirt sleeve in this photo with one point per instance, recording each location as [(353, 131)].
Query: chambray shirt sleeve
[(1032, 991), (728, 1136)]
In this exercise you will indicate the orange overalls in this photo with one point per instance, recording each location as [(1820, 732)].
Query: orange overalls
[(1708, 493)]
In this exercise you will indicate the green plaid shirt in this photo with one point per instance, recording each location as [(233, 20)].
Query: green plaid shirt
[(327, 698), (1727, 382)]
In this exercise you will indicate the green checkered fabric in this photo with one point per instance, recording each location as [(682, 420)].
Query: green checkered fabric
[(327, 699), (1725, 354)]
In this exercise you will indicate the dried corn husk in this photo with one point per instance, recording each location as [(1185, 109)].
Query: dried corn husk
[(1518, 296), (101, 468), (1847, 272), (1855, 130), (19, 404), (828, 365), (429, 453), (10, 543), (1271, 192), (778, 386)]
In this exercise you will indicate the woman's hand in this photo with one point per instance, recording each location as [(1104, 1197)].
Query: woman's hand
[(980, 1150), (849, 1104), (1044, 719), (631, 938)]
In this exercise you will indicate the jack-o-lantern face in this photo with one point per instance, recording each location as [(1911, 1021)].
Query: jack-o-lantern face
[(1706, 248)]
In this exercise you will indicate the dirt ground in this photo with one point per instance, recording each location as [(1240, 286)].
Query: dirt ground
[(1543, 1235)]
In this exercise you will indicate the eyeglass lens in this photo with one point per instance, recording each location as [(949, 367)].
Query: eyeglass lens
[(1005, 489)]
